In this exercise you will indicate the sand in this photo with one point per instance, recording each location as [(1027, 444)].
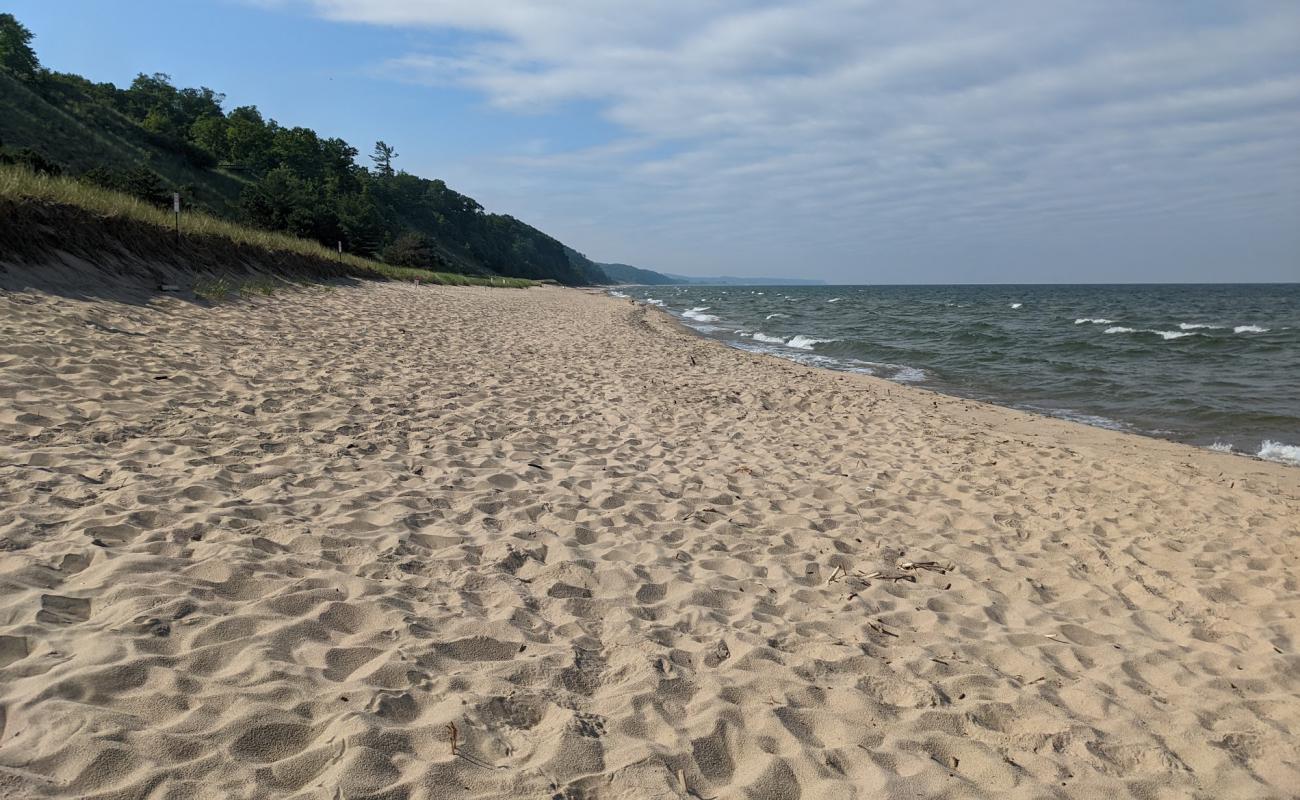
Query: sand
[(285, 547)]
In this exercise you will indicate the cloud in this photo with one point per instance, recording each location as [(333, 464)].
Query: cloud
[(902, 133)]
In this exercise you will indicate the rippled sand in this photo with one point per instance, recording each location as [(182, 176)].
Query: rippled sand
[(395, 541)]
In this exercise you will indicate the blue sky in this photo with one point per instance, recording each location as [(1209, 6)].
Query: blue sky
[(936, 141)]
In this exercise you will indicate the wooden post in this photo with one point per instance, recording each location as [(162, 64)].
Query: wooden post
[(176, 209)]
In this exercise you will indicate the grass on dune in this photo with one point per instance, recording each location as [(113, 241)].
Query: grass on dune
[(19, 184)]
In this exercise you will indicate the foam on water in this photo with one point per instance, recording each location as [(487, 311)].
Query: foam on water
[(1197, 326), (1276, 451), (833, 300), (776, 316), (698, 315), (1092, 420), (1249, 329), (908, 374), (1166, 335), (1017, 305), (761, 337), (1093, 321), (653, 302), (802, 342), (613, 293)]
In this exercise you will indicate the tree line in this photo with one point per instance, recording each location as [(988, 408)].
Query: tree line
[(295, 180)]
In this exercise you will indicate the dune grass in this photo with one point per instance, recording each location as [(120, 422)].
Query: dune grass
[(19, 184)]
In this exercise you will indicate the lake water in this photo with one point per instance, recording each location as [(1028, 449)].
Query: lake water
[(1209, 365)]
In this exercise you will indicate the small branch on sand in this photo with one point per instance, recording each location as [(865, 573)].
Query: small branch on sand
[(932, 566), (699, 513), (454, 735), (880, 628), (884, 577)]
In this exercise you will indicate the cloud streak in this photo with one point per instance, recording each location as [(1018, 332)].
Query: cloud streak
[(894, 141)]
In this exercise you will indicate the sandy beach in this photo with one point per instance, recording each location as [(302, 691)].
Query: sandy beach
[(395, 541)]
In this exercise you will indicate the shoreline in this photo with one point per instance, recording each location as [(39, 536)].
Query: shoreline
[(924, 391), (1034, 360), (433, 542)]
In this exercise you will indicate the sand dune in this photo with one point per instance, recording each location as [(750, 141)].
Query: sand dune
[(286, 547)]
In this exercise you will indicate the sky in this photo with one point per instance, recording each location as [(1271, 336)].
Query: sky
[(918, 141)]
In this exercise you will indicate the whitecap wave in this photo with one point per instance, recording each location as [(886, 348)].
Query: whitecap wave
[(833, 300), (802, 342), (1093, 321), (760, 337), (1166, 335), (775, 316), (617, 294), (1249, 329), (1017, 305), (698, 315), (1282, 453), (1197, 326), (1219, 447), (653, 302)]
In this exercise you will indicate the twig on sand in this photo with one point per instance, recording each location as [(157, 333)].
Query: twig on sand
[(699, 513), (932, 566), (835, 575), (886, 577), (453, 733), (879, 627)]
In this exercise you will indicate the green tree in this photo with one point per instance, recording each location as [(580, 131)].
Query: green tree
[(16, 53), (249, 138), (209, 133), (383, 157), (413, 249)]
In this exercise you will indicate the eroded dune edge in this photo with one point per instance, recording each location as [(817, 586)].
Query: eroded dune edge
[(398, 541)]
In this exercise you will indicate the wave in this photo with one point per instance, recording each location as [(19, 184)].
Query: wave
[(833, 300), (1249, 329), (907, 374), (1196, 326), (1276, 451), (653, 302), (802, 342), (698, 315), (1093, 321), (617, 294), (1017, 305), (1219, 447), (782, 316), (760, 337), (1166, 335)]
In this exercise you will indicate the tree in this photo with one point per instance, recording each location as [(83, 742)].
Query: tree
[(209, 133), (249, 138), (16, 53), (383, 158), (413, 249)]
